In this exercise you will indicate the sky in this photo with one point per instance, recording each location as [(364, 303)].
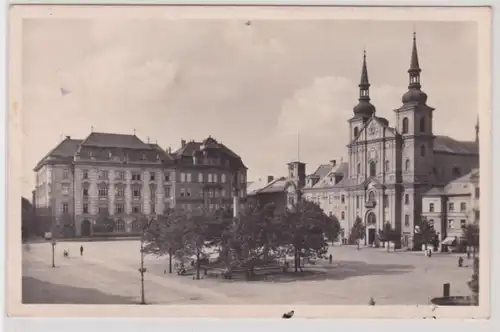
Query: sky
[(254, 87)]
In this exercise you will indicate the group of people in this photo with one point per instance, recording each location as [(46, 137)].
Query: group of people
[(66, 251)]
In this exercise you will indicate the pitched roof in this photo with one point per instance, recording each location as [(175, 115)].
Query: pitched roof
[(64, 150), (107, 140), (447, 144), (460, 186), (274, 186), (322, 170), (339, 169)]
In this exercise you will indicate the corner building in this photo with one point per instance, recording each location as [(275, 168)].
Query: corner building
[(390, 168), (123, 177)]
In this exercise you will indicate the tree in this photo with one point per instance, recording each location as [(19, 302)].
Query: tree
[(332, 229), (388, 234), (104, 222), (425, 232), (471, 236), (27, 219), (357, 231), (304, 227), (474, 282), (68, 225)]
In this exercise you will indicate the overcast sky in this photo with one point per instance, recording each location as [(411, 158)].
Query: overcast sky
[(254, 87)]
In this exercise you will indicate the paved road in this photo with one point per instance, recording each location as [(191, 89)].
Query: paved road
[(354, 277)]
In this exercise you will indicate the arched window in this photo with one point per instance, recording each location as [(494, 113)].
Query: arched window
[(358, 168), (387, 166), (422, 124), (431, 207), (405, 126), (371, 218), (422, 150), (373, 168), (355, 132), (120, 226), (407, 165), (371, 196)]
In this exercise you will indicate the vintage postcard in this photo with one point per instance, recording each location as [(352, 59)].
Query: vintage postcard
[(268, 162)]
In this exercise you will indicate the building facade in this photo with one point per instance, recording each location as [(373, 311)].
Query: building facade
[(452, 207), (389, 169), (123, 178)]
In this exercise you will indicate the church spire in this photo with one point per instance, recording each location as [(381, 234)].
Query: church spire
[(414, 70), (364, 108)]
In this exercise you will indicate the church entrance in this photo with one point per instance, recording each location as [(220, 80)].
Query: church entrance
[(371, 222), (371, 236), (85, 229)]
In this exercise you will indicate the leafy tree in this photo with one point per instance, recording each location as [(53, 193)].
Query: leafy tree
[(332, 229), (28, 224), (388, 234), (357, 231), (471, 236), (104, 222), (474, 282), (425, 232), (304, 228)]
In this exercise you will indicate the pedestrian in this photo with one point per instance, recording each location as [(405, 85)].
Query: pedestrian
[(81, 250), (330, 258), (460, 261)]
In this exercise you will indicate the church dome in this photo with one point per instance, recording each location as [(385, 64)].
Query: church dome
[(414, 95), (364, 108)]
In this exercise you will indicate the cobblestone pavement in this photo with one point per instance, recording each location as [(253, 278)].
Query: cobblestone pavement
[(110, 271)]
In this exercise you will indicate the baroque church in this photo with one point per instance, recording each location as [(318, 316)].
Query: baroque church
[(389, 168)]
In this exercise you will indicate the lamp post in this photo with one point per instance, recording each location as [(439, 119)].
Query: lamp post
[(142, 269), (53, 243)]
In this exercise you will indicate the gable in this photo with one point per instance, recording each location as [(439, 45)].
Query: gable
[(372, 130)]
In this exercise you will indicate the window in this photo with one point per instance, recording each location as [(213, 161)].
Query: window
[(210, 193), (342, 215), (407, 165), (371, 196), (476, 214), (357, 202), (85, 192), (152, 176), (120, 175), (223, 193), (183, 177), (386, 201), (373, 168), (65, 207), (405, 126), (422, 124), (103, 175), (343, 199), (431, 207), (152, 192), (103, 192), (456, 172), (188, 176), (120, 226), (407, 199), (119, 208), (387, 166), (85, 175), (223, 178), (136, 193), (167, 177), (183, 192), (451, 207), (463, 207), (120, 193), (65, 190), (330, 199), (167, 191), (215, 178), (209, 178), (462, 223), (476, 194), (200, 177), (136, 209), (85, 208), (358, 168), (136, 176), (242, 193), (450, 223), (65, 174), (422, 150), (216, 193), (407, 220), (188, 192), (355, 132)]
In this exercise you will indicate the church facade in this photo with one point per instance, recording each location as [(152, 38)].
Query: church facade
[(389, 168)]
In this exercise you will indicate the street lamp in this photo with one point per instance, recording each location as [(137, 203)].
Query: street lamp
[(142, 269), (53, 243)]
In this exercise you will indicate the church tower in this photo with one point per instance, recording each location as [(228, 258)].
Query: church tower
[(414, 124), (363, 111)]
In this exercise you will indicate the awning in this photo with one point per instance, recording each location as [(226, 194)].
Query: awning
[(449, 240)]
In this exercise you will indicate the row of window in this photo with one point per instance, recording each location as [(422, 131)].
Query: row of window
[(120, 175), (404, 129), (119, 208), (120, 192), (451, 207), (186, 192)]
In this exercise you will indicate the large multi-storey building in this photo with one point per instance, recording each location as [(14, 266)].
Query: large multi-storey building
[(122, 177), (388, 169)]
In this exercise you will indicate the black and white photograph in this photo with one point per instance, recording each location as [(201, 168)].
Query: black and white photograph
[(209, 156)]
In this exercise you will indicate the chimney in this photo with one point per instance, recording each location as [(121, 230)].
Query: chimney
[(270, 178), (68, 137), (333, 162), (183, 143)]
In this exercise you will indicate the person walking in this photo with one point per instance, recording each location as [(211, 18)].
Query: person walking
[(81, 250), (330, 258)]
